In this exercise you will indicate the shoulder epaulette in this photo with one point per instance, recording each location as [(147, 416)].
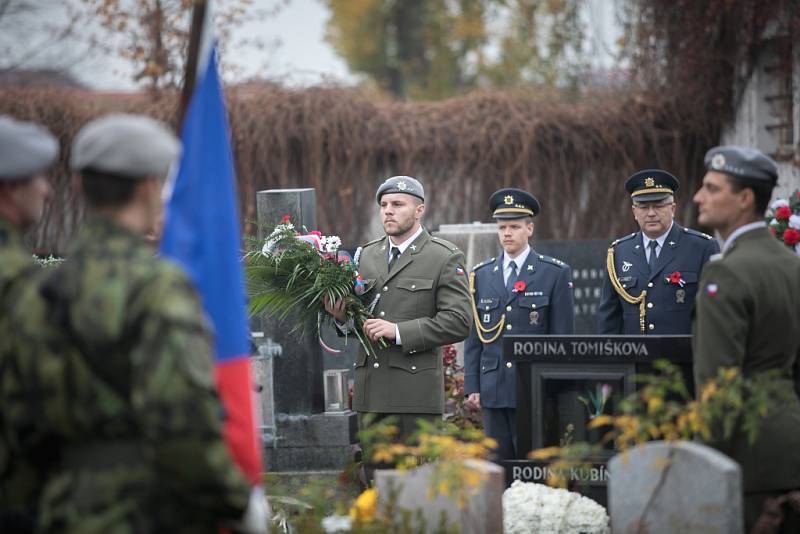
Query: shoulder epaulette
[(483, 264), (621, 239), (446, 244), (378, 240), (553, 261), (691, 231)]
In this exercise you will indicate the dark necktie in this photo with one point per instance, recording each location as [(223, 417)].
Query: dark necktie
[(512, 278), (393, 259), (653, 257)]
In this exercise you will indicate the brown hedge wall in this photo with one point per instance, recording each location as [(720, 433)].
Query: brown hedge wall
[(574, 156)]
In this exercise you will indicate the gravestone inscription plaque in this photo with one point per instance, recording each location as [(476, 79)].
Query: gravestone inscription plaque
[(563, 382)]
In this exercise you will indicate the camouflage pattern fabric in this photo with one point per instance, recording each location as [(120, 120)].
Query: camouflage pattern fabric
[(124, 371), (20, 473)]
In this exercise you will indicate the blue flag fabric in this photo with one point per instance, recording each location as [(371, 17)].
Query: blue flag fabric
[(202, 222), (201, 233)]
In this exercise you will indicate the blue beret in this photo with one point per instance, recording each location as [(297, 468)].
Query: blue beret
[(26, 149), (651, 184), (401, 184), (742, 162), (512, 203)]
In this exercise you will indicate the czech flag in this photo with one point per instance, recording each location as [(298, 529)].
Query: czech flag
[(202, 234)]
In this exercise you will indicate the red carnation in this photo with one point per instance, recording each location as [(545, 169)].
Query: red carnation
[(675, 278), (519, 285), (285, 218), (783, 213), (791, 236)]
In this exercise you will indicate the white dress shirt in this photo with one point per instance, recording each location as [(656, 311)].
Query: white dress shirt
[(659, 243), (519, 260)]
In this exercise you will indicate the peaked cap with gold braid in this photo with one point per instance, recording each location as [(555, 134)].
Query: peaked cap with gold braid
[(651, 184)]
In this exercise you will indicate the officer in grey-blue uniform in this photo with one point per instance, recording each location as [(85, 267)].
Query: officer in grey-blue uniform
[(651, 275), (518, 292)]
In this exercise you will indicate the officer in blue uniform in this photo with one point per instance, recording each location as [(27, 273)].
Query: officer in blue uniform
[(652, 274), (519, 292)]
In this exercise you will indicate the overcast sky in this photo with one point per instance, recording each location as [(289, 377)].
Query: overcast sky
[(296, 52)]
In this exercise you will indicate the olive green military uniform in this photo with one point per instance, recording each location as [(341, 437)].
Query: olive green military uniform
[(747, 316), (20, 476), (426, 296), (115, 346), (26, 152)]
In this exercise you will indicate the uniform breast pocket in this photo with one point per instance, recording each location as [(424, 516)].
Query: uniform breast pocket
[(680, 296), (627, 282), (534, 311), (487, 309), (416, 298)]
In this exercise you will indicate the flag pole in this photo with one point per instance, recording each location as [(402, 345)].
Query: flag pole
[(190, 72)]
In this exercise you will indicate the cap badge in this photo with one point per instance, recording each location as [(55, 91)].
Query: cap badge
[(718, 162), (649, 182), (508, 200), (401, 186)]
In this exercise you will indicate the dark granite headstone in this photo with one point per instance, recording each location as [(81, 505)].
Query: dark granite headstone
[(563, 382), (303, 436), (297, 369)]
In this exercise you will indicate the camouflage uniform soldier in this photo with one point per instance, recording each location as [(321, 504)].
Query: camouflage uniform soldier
[(124, 366), (26, 151)]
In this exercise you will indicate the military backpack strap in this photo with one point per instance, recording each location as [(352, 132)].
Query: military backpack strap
[(479, 328), (627, 297)]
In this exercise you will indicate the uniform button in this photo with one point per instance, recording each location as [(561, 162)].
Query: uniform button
[(483, 367), (508, 308), (382, 313), (413, 367), (487, 308), (533, 305), (508, 364), (376, 365), (508, 327), (385, 288), (413, 286), (624, 286), (651, 326), (354, 365), (650, 284), (649, 305)]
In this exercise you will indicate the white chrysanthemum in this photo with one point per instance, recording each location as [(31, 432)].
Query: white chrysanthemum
[(330, 243), (779, 203), (336, 523), (529, 507), (794, 222), (774, 222)]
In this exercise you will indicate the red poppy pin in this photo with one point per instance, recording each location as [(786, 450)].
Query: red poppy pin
[(519, 285), (675, 279)]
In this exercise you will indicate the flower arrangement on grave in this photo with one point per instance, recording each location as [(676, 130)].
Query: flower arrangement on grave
[(294, 273), (595, 402), (662, 408), (529, 507), (783, 218)]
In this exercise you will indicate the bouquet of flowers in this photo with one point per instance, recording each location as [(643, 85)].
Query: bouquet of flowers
[(295, 273), (783, 218), (529, 507)]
